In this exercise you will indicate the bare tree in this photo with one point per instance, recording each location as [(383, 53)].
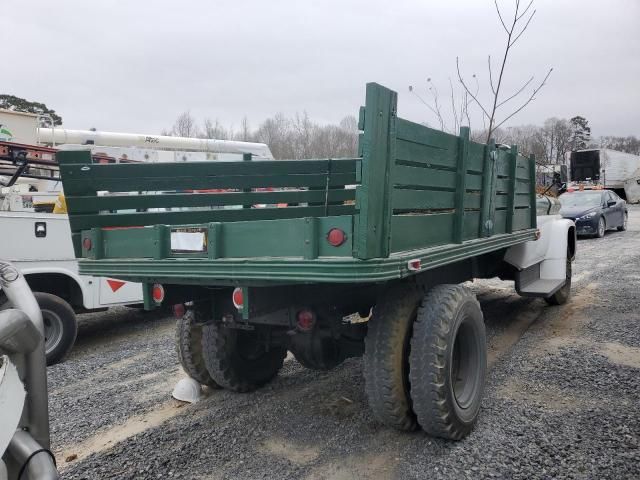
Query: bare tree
[(514, 29), (215, 130), (245, 130), (185, 126)]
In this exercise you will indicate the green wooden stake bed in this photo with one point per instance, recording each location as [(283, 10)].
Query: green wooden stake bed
[(331, 258)]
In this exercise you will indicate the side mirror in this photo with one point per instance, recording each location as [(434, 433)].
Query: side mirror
[(611, 203)]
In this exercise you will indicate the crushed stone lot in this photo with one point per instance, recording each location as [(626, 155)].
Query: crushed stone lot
[(562, 398)]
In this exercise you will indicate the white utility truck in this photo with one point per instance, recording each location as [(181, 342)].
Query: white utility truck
[(39, 245)]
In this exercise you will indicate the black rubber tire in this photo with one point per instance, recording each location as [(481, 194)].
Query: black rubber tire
[(386, 357), (601, 231), (448, 337), (237, 360), (561, 296), (189, 347), (56, 310), (625, 219)]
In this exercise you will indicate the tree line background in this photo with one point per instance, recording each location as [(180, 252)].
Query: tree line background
[(299, 137)]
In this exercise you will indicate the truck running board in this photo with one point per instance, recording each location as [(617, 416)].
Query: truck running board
[(529, 283)]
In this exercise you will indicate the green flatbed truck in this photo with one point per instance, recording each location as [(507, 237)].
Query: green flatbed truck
[(331, 259)]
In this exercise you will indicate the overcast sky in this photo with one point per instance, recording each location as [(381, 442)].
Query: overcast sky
[(133, 66)]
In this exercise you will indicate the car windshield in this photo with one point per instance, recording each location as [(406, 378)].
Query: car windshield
[(581, 199)]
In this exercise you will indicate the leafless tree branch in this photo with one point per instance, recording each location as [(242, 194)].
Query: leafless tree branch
[(529, 100), (500, 16), (493, 90), (464, 85), (523, 29), (517, 93)]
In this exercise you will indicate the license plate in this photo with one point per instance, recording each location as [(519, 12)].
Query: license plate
[(188, 240)]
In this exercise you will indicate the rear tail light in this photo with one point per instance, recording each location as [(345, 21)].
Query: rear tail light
[(306, 320), (157, 293), (336, 237), (414, 265), (238, 298), (179, 310)]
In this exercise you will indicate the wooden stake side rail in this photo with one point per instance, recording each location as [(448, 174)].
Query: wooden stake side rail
[(413, 189)]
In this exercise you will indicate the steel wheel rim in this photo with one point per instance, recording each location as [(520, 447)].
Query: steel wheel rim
[(464, 366), (53, 328)]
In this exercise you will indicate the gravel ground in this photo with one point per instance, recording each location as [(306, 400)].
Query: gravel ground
[(562, 398)]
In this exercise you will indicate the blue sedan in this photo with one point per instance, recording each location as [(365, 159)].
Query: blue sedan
[(594, 211)]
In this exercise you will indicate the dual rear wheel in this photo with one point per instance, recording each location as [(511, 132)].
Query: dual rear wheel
[(221, 357), (425, 361)]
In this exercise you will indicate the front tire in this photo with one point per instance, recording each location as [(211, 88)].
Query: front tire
[(561, 296), (625, 221), (238, 360), (602, 227), (386, 358), (448, 362), (60, 326)]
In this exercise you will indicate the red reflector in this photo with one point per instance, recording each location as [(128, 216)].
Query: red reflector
[(157, 293), (414, 265), (306, 320), (86, 243), (336, 237), (238, 298), (179, 310)]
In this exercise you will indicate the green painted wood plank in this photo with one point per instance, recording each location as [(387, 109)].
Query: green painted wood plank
[(87, 186), (89, 204), (500, 222), (521, 218), (502, 185), (475, 160), (522, 200), (73, 157), (416, 133), (522, 187), (409, 232), (374, 194), (84, 222), (473, 200), (409, 199), (503, 163), (425, 154), (471, 224), (210, 168), (423, 177), (461, 189), (474, 181), (501, 201)]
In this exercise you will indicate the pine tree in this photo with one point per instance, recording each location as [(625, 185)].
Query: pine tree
[(580, 133)]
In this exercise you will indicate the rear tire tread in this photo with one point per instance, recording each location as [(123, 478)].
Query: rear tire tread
[(189, 348), (386, 358), (428, 362)]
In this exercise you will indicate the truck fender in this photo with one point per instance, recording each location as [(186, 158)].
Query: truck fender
[(557, 239), (78, 281)]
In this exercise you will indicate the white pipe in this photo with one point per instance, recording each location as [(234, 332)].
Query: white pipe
[(159, 142)]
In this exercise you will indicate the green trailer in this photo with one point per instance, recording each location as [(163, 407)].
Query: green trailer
[(330, 258)]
